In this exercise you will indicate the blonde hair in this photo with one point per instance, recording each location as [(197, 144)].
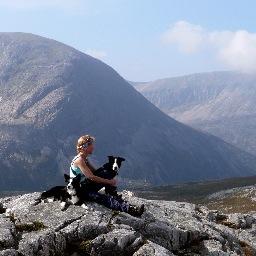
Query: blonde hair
[(83, 140)]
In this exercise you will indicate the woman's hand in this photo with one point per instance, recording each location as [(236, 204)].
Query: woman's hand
[(113, 182)]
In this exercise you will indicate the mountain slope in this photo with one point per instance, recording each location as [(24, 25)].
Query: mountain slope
[(221, 103), (51, 94)]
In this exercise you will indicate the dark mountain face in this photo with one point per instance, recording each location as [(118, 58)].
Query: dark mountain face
[(51, 94), (220, 103)]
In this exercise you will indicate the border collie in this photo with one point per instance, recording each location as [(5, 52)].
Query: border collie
[(70, 194), (108, 171)]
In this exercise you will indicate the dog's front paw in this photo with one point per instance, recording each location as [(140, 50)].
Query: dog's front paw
[(8, 212), (64, 206), (84, 206)]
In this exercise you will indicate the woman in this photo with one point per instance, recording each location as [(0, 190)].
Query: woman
[(80, 164)]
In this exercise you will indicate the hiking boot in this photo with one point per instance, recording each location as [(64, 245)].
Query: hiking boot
[(135, 210)]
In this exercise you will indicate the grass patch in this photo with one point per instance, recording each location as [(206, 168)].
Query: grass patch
[(194, 192), (236, 203), (247, 249), (197, 192), (85, 247), (114, 214), (29, 227)]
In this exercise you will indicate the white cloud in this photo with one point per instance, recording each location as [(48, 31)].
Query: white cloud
[(234, 49), (187, 36), (239, 51), (99, 54), (34, 4)]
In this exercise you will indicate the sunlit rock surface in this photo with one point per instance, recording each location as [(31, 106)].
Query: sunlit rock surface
[(165, 228)]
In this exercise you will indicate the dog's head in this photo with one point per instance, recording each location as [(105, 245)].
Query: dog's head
[(114, 163), (73, 184)]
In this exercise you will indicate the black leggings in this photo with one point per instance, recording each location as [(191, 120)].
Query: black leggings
[(108, 201)]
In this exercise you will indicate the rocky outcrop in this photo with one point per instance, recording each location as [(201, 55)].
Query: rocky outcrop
[(165, 228)]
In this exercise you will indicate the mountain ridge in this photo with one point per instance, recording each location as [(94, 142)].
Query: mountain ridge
[(220, 103)]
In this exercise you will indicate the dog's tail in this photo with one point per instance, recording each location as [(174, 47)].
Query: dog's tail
[(40, 198)]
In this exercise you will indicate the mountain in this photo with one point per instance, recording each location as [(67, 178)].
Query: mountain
[(165, 228), (52, 93), (220, 103)]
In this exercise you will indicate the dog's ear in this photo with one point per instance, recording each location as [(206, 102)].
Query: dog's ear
[(66, 177), (121, 159)]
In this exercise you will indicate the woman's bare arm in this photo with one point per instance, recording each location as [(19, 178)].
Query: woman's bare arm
[(92, 168), (89, 174)]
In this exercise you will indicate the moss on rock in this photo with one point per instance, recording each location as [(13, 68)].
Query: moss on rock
[(29, 227)]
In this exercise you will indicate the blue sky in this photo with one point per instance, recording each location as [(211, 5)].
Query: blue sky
[(144, 39)]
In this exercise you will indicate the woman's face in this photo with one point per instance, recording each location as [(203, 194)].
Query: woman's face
[(90, 148)]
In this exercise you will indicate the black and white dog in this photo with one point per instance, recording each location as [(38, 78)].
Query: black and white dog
[(73, 193), (70, 194), (108, 171)]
